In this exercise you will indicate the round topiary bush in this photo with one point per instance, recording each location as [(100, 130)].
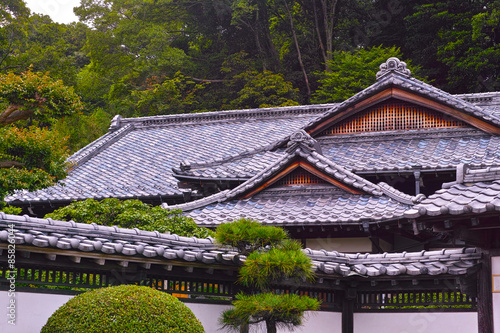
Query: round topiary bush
[(123, 309)]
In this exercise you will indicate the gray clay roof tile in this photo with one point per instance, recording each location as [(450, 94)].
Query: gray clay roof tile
[(464, 196), (136, 159), (128, 244)]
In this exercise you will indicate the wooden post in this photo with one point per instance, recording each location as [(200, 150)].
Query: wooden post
[(348, 311), (484, 295)]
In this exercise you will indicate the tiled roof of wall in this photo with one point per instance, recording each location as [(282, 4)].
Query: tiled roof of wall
[(134, 243)]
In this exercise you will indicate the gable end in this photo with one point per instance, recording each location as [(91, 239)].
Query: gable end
[(442, 114), (393, 115), (300, 173)]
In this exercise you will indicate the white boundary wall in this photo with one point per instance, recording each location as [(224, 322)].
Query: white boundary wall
[(495, 272), (416, 322), (33, 309)]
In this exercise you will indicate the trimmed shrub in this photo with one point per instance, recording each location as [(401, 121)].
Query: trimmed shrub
[(124, 308)]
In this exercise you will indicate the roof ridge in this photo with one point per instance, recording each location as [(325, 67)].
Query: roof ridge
[(217, 197), (405, 81), (98, 145), (258, 113), (137, 244), (354, 258), (470, 174), (358, 182), (400, 196), (301, 145), (405, 134), (187, 165)]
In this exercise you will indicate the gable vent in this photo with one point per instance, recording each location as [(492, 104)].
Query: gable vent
[(300, 176), (393, 116)]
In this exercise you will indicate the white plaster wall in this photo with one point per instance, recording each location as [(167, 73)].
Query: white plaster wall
[(354, 245), (33, 310), (495, 270), (416, 322)]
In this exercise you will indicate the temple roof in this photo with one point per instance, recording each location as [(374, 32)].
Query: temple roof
[(475, 191), (428, 150), (59, 238), (343, 198), (135, 159), (141, 157)]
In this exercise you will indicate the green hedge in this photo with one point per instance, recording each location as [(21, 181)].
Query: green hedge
[(125, 308)]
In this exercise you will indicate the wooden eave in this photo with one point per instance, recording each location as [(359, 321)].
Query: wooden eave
[(406, 96), (306, 166)]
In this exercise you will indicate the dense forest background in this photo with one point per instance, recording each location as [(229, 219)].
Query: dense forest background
[(153, 57)]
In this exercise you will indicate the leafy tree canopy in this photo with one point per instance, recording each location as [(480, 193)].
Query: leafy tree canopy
[(272, 258), (351, 72), (32, 157), (130, 214), (37, 96)]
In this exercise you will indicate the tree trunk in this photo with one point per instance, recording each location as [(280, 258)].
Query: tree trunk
[(13, 114), (329, 21), (271, 326), (320, 40), (299, 55)]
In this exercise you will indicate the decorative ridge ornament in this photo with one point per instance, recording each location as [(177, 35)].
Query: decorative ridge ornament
[(393, 65), (302, 138)]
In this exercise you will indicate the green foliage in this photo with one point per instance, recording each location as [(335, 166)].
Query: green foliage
[(123, 309), (272, 258), (248, 235), (351, 72), (261, 90), (12, 210), (83, 128), (168, 96), (130, 214), (285, 261), (31, 159), (35, 95), (456, 43), (285, 310)]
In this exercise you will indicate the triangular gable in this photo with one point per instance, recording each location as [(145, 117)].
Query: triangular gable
[(393, 115), (421, 101), (301, 173)]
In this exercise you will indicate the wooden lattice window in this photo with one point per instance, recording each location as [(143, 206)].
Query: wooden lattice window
[(391, 116), (300, 176)]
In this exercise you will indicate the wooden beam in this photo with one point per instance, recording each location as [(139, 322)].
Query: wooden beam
[(308, 167), (75, 259), (100, 262), (274, 179)]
